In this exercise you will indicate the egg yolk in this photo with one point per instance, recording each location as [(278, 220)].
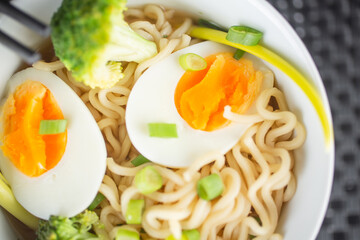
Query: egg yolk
[(200, 96), (32, 153)]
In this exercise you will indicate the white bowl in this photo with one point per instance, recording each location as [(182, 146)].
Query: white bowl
[(301, 218)]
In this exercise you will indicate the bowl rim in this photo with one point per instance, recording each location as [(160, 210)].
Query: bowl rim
[(265, 5)]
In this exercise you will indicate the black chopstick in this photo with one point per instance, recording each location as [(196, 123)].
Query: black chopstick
[(27, 54), (42, 29), (25, 19)]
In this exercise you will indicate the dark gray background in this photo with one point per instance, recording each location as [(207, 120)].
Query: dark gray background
[(331, 31)]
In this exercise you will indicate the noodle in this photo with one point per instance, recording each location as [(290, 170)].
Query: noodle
[(256, 172)]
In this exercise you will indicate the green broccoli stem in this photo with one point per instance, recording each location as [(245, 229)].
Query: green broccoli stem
[(126, 45), (9, 203)]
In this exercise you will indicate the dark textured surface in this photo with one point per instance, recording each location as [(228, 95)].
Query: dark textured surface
[(331, 32)]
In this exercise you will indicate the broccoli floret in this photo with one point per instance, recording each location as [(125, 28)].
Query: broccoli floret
[(63, 228), (91, 38)]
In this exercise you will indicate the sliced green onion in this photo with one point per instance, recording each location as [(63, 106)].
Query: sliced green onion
[(192, 234), (257, 218), (210, 187), (186, 235), (162, 130), (126, 234), (192, 62), (244, 35), (148, 180), (52, 126), (97, 200), (139, 160), (238, 54), (171, 237), (210, 24), (134, 211)]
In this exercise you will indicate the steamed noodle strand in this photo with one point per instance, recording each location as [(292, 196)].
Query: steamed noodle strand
[(256, 172)]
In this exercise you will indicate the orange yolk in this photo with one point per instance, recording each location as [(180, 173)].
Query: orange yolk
[(200, 97), (32, 153)]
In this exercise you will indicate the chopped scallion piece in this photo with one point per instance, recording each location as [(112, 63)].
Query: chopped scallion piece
[(244, 35), (192, 234), (52, 126), (97, 200), (134, 211), (162, 130), (139, 160), (238, 54), (148, 180), (210, 24), (126, 234), (257, 218), (186, 235), (192, 62), (210, 187), (171, 237)]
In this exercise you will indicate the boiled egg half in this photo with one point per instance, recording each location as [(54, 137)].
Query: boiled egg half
[(195, 103), (58, 174)]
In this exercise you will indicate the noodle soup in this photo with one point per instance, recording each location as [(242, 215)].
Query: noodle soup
[(257, 172)]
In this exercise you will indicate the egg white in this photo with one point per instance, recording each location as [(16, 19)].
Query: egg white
[(152, 100), (69, 187)]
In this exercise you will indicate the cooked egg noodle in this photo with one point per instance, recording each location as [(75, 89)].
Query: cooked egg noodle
[(257, 171)]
